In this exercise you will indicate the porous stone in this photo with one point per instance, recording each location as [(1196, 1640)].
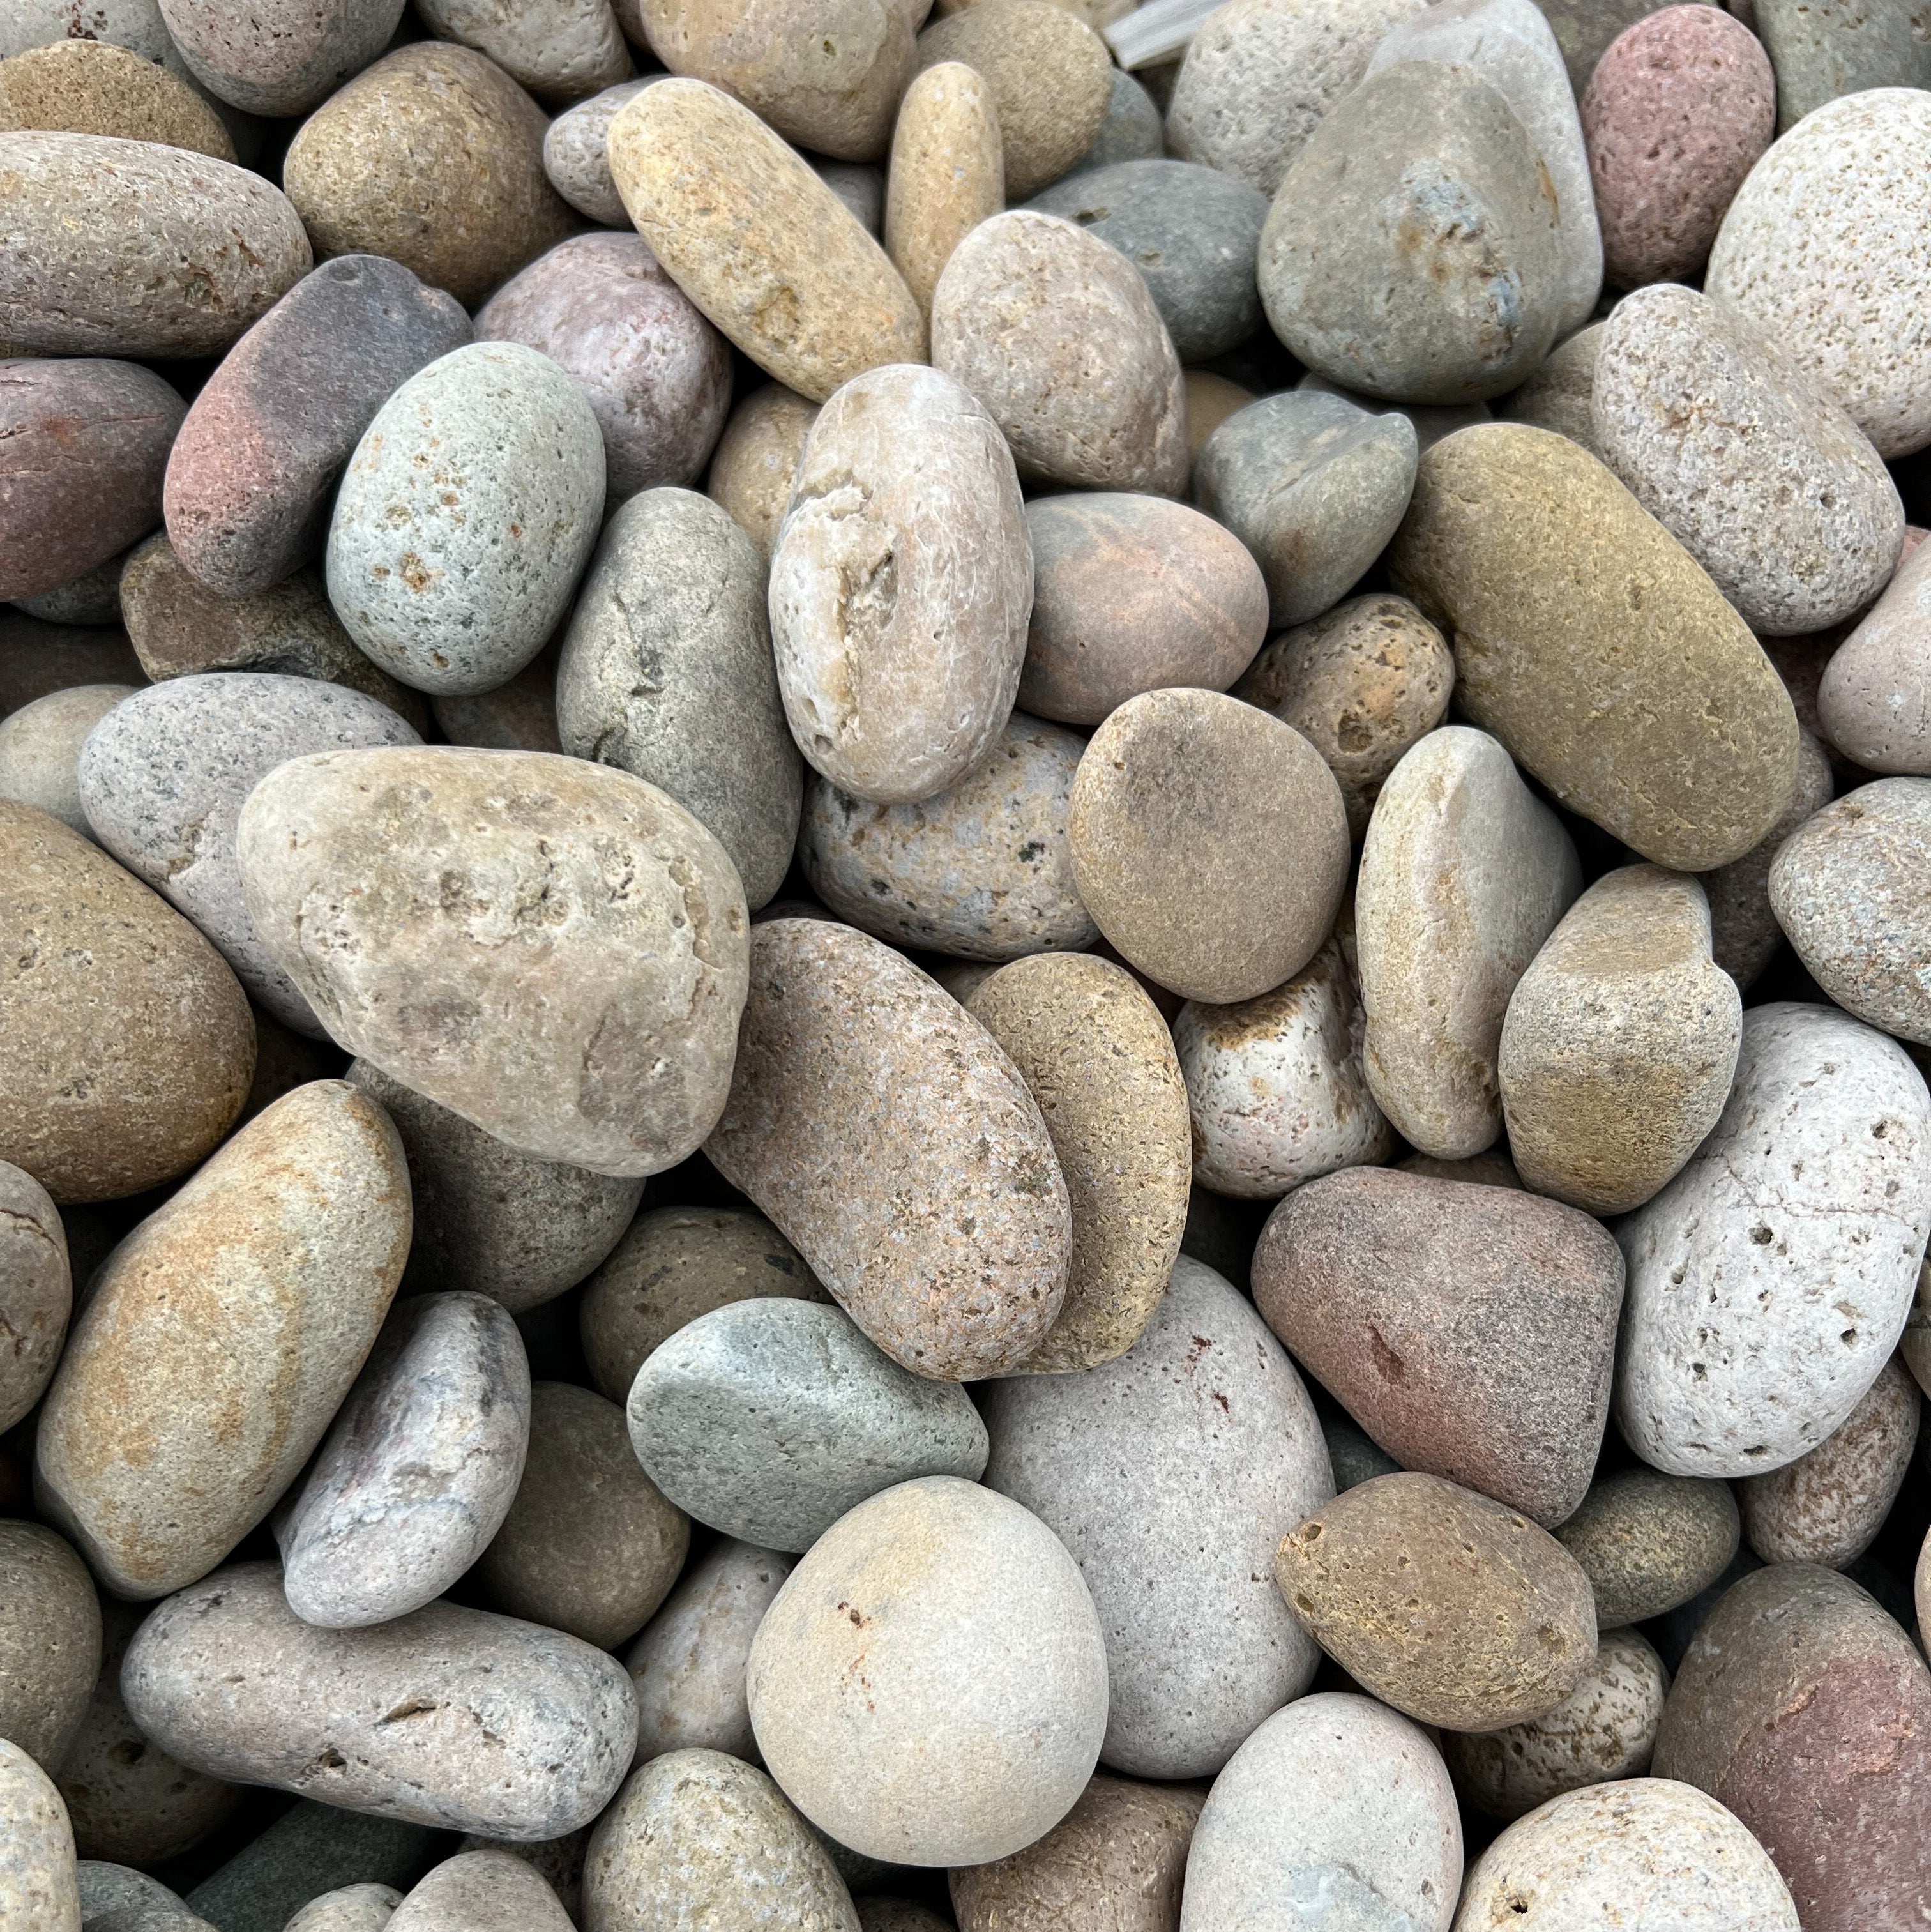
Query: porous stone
[(49, 1642), (40, 753), (561, 53), (1874, 699), (1131, 130), (1648, 1542), (1821, 53), (136, 24), (91, 87), (36, 1291), (308, 1850), (1915, 1348), (575, 154), (481, 1892), (947, 172), (756, 460), (1560, 395), (351, 1908), (37, 1882), (282, 58)]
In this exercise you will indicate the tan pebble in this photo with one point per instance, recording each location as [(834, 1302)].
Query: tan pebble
[(36, 1291), (49, 1642), (38, 1887), (756, 460), (89, 87), (947, 172), (1211, 399)]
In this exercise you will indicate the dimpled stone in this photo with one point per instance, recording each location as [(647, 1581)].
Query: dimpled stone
[(283, 57), (948, 171), (37, 1882), (1648, 1542), (49, 1642), (756, 460), (36, 1291), (561, 50), (576, 157), (1874, 700)]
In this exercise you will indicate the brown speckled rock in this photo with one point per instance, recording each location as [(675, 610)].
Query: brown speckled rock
[(279, 56), (89, 87), (49, 1642), (756, 460), (947, 172), (36, 1291)]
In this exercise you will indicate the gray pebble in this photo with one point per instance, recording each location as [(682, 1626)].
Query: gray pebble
[(279, 58), (1820, 52), (1874, 699), (353, 1908), (861, 189), (1431, 421), (38, 1885), (574, 157), (1356, 1456), (40, 749), (1131, 130), (50, 1641), (312, 1849), (93, 599), (481, 1892), (1648, 1542), (115, 1898), (1560, 395), (36, 1290), (518, 716)]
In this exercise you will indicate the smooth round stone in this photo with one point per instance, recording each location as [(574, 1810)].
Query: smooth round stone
[(1761, 477), (575, 154), (561, 51), (282, 58), (465, 517), (947, 172), (1821, 246), (688, 1668), (1560, 395), (559, 1862), (137, 24), (1211, 399), (732, 213), (352, 1908), (49, 1642), (673, 1265), (90, 87), (1678, 738), (1850, 888), (982, 870), (37, 1883), (251, 474), (1168, 1474), (701, 1836), (1313, 487), (656, 374), (930, 1685), (666, 672), (1130, 131), (1585, 1862), (249, 1300), (1648, 1542), (1133, 593), (36, 1291), (482, 1891), (756, 461), (88, 600), (1056, 334), (87, 443), (1800, 1222), (1821, 53), (848, 1056), (433, 157), (40, 751), (1221, 891), (1335, 1812), (1679, 110), (574, 1024), (132, 1045), (1874, 701), (527, 1733), (164, 778), (311, 1849), (900, 587)]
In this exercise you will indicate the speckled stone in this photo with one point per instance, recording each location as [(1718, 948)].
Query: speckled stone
[(575, 154), (1560, 394), (1648, 1542), (40, 751), (947, 172), (115, 1898), (37, 1885), (311, 1849), (49, 1642), (1822, 53), (1874, 699), (137, 24), (756, 460), (562, 50), (1915, 1347), (482, 1891), (91, 87), (350, 1908), (90, 599), (36, 1291), (280, 58)]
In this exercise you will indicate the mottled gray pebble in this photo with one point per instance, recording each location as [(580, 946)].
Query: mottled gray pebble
[(1648, 1542), (312, 1849), (1560, 395), (575, 159), (115, 1898), (36, 1290)]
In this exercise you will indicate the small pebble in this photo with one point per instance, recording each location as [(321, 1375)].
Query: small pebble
[(1874, 701), (310, 1850), (36, 1291), (1560, 395), (353, 1908), (39, 751), (575, 156), (114, 1898), (280, 58), (1648, 1542), (756, 461), (481, 1892), (50, 1643), (1131, 130)]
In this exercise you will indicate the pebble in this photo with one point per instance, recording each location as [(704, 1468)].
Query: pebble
[(137, 24), (1769, 1282), (50, 1643), (1527, 550), (756, 460), (353, 1908), (88, 87), (38, 1884), (1874, 701), (576, 157), (433, 157), (1649, 1542), (1560, 395), (1821, 53), (559, 1862), (1056, 334), (91, 599), (308, 1850), (481, 1892), (115, 1898), (562, 51), (930, 1685), (518, 716), (218, 1295), (947, 172), (282, 57), (360, 867), (36, 1291), (589, 1545), (1315, 487), (848, 1053), (1211, 399), (1915, 1348), (667, 673), (40, 751), (1131, 130), (1440, 1602), (135, 1043)]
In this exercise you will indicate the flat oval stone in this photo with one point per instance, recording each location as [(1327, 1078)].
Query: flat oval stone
[(981, 871), (351, 1908), (1874, 699), (130, 1045), (282, 58), (900, 587), (465, 518), (575, 154), (847, 1051), (36, 1290), (251, 471), (1799, 1225), (560, 52), (947, 172), (447, 1717), (1056, 334), (666, 672), (49, 1644), (249, 1300), (37, 1882), (1133, 593), (756, 461), (363, 872), (1167, 1473), (942, 1616), (90, 87), (1527, 551), (163, 777)]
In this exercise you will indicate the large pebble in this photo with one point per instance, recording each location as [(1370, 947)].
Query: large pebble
[(849, 1055), (481, 1892), (756, 461), (88, 87), (49, 1642), (1874, 699), (411, 895), (576, 156), (930, 1685), (1822, 53), (37, 1882), (1676, 735), (311, 1849), (1770, 1281), (666, 672), (561, 50), (447, 1717), (947, 174), (249, 1300), (1648, 1542), (282, 57), (36, 1291)]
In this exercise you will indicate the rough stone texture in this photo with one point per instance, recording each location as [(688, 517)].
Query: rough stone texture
[(656, 374), (1314, 488), (115, 248), (1915, 1348), (1804, 1707), (1056, 334), (1648, 1542), (1821, 52), (127, 1044), (481, 1892), (761, 246), (37, 1885), (36, 1291), (85, 443), (518, 716), (1770, 1281), (89, 87), (1583, 1860), (982, 870), (311, 1850), (1821, 246), (39, 755), (1131, 130), (1560, 396), (282, 57), (114, 1898), (756, 460), (1168, 1474), (1761, 477), (590, 1545), (561, 52), (452, 916), (1850, 889), (698, 1836), (897, 1915), (559, 1862), (575, 155), (220, 1338), (1681, 108), (1678, 737), (128, 23), (351, 1908), (1874, 700), (1218, 891), (947, 172), (848, 1060), (666, 672), (1440, 1602), (930, 1685), (49, 1642), (322, 1712)]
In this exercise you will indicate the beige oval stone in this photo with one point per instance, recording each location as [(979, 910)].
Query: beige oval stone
[(562, 50), (768, 252), (756, 460), (49, 1642), (221, 1339), (1874, 699), (482, 1891), (947, 172), (36, 1291), (38, 1887), (91, 87)]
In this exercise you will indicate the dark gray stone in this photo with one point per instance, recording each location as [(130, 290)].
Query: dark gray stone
[(308, 1851)]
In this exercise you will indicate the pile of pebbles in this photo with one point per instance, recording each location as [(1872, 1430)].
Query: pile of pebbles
[(939, 990)]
